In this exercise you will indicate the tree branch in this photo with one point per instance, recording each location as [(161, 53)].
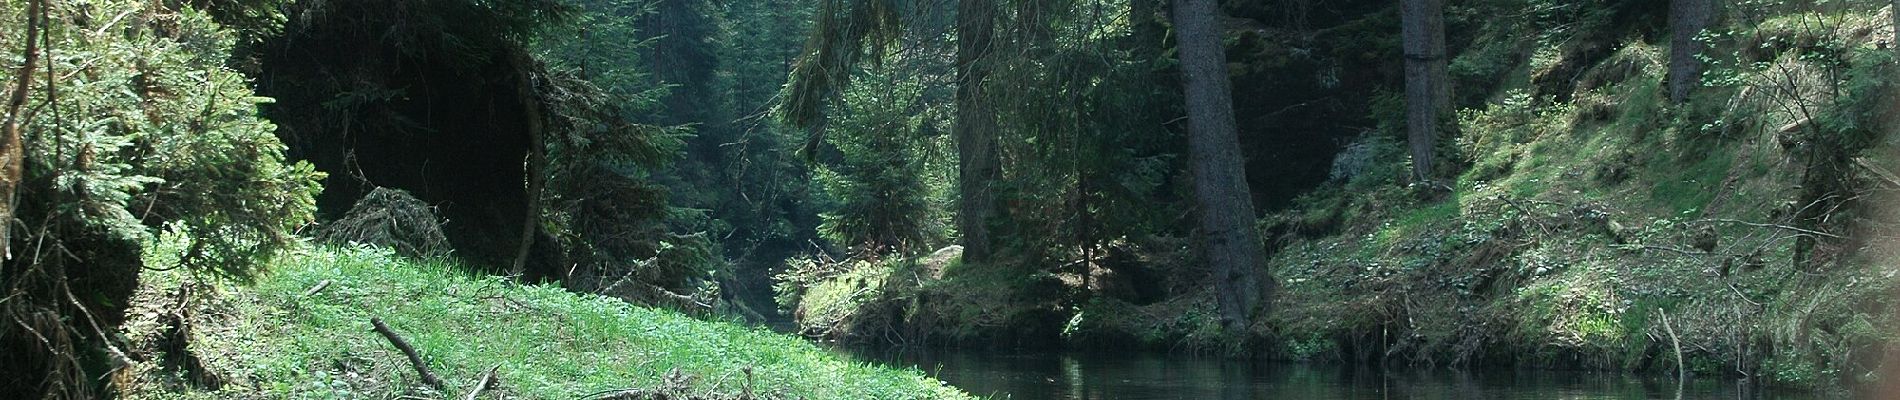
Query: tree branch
[(1776, 226), (488, 379), (414, 359)]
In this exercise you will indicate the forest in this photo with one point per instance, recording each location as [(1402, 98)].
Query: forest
[(949, 199)]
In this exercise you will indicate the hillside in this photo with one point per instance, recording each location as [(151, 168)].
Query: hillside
[(1593, 229), (304, 331), (1590, 224)]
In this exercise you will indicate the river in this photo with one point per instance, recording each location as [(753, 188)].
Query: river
[(1148, 376)]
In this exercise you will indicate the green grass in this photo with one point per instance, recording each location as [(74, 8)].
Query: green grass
[(273, 342), (1690, 187)]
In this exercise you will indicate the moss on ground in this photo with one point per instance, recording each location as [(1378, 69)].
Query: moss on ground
[(283, 337), (1588, 233)]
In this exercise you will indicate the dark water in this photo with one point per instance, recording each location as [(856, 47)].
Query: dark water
[(1144, 376)]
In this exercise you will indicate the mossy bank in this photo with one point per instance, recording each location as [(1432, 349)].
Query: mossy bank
[(1590, 223)]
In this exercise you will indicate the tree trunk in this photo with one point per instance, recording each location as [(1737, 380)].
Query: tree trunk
[(975, 131), (1687, 18), (12, 149), (535, 168), (1231, 247), (1427, 91)]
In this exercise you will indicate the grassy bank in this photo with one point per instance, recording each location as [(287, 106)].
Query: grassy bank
[(304, 331)]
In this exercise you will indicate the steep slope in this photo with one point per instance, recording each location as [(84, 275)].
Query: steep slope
[(1598, 228)]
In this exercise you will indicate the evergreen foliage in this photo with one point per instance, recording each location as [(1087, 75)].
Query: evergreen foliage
[(137, 127), (1018, 173), (888, 136)]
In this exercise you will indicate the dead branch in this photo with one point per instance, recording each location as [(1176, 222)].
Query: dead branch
[(1777, 226), (1885, 176), (318, 288), (1671, 250), (1528, 214), (117, 354), (1740, 295), (407, 350), (1682, 373), (488, 379)]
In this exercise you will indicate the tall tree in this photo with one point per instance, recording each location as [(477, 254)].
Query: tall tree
[(975, 130), (1232, 246), (1687, 18), (1427, 92), (846, 33)]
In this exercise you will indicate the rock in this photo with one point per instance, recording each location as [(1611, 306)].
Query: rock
[(935, 263)]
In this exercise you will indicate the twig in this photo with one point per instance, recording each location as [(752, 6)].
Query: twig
[(1739, 294), (488, 379), (1669, 249), (318, 288), (414, 359), (1778, 226), (118, 355), (1528, 214)]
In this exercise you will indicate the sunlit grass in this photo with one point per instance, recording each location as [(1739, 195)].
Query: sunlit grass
[(547, 342)]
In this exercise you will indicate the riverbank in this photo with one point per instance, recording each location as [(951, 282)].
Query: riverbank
[(303, 330), (1590, 224)]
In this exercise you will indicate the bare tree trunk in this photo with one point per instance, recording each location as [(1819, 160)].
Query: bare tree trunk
[(975, 131), (1427, 91), (536, 164), (1232, 247), (1687, 18), (12, 152)]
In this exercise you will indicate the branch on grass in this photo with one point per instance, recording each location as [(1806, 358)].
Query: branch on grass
[(1778, 226), (407, 350), (488, 380), (318, 288), (1685, 253)]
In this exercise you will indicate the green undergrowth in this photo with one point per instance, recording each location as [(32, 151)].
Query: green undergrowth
[(1595, 232), (304, 331), (930, 300)]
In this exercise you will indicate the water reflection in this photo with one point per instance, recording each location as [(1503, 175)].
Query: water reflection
[(1143, 376)]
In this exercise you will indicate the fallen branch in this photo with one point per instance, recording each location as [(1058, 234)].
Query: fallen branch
[(1682, 252), (1682, 373), (117, 354), (1777, 226), (414, 359), (488, 379), (1740, 295), (318, 288), (1882, 173)]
